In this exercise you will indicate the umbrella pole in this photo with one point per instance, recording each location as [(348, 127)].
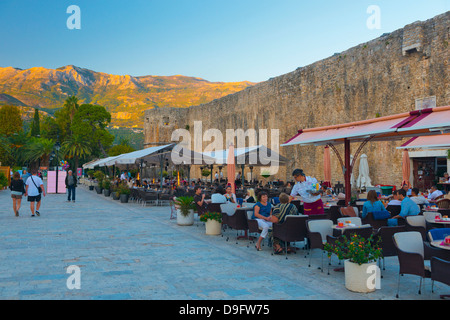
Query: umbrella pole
[(243, 176), (348, 172), (161, 162), (212, 168)]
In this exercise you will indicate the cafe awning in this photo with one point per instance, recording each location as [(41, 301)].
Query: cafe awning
[(91, 164), (441, 141), (257, 156), (149, 155), (416, 123)]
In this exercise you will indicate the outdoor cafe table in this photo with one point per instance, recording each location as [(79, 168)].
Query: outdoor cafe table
[(438, 244), (445, 222), (339, 230)]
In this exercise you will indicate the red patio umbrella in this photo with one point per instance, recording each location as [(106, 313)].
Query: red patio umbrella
[(406, 168), (231, 168), (327, 167)]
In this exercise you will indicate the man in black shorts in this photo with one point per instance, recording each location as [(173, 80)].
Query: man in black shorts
[(34, 184)]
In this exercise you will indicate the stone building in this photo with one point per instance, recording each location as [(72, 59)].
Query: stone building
[(395, 73)]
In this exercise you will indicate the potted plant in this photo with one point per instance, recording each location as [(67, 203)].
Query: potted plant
[(266, 174), (115, 192), (124, 192), (213, 223), (106, 187), (360, 256), (99, 176), (206, 173), (185, 211)]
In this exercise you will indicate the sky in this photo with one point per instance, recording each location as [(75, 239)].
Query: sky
[(233, 40)]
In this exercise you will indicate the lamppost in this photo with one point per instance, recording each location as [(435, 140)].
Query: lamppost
[(57, 147)]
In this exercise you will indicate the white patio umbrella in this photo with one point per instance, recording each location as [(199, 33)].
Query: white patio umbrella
[(363, 178)]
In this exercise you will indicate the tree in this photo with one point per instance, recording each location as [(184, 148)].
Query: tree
[(39, 149), (76, 147), (71, 105), (35, 126), (90, 123), (50, 128), (123, 147), (10, 120)]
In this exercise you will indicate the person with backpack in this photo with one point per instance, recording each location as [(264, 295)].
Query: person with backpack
[(33, 190)]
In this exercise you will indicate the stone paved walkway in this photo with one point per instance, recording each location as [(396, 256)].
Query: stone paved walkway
[(126, 251)]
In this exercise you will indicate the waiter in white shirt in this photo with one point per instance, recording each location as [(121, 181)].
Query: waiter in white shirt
[(312, 202)]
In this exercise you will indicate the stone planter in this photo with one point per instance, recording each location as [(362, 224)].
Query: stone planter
[(185, 221), (99, 190), (107, 192), (124, 198), (213, 228), (91, 188), (116, 196), (357, 277)]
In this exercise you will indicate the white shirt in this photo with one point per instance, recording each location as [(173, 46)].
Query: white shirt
[(32, 189), (218, 198), (395, 203), (302, 189), (419, 200), (435, 194)]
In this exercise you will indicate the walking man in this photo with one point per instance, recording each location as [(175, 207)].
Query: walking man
[(71, 184), (33, 190)]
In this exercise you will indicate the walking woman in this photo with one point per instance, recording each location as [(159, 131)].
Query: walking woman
[(17, 187)]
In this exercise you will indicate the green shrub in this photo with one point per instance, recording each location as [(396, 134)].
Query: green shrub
[(3, 180)]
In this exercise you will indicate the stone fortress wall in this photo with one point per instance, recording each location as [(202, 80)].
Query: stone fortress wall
[(382, 77)]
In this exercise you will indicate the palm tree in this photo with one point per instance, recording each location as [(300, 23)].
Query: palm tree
[(76, 146), (39, 149), (71, 105)]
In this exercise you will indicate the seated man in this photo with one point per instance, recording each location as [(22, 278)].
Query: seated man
[(218, 195), (409, 207), (199, 200), (434, 194), (418, 199), (395, 199), (407, 189), (279, 214)]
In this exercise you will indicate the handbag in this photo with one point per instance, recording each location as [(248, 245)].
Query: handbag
[(39, 188), (381, 215)]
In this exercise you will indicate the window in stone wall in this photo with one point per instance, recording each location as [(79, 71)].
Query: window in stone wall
[(165, 121), (425, 103)]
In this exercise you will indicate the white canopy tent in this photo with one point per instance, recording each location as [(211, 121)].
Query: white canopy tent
[(255, 156), (259, 156)]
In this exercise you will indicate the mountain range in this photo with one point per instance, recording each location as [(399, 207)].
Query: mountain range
[(125, 97)]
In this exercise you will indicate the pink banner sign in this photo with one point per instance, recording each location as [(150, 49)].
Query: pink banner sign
[(51, 182)]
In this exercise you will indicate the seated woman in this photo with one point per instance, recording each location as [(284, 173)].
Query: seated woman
[(251, 197), (218, 195), (279, 214), (372, 204), (263, 214), (230, 195)]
